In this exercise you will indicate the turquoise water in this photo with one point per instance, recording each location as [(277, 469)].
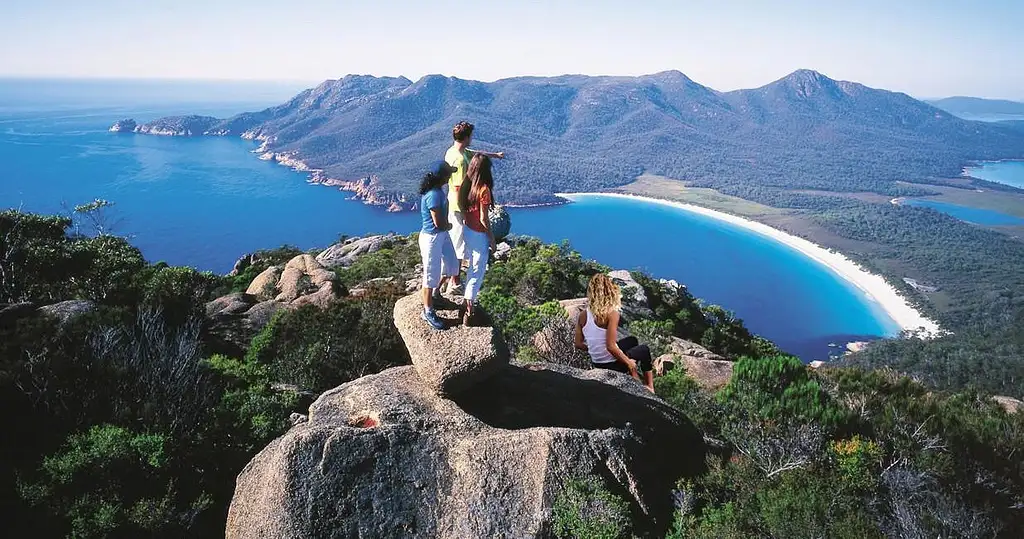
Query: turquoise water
[(977, 216), (1005, 172), (204, 202)]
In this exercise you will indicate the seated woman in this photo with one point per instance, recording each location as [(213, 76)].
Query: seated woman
[(597, 333)]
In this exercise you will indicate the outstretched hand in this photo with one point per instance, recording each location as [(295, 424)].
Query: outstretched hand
[(500, 155)]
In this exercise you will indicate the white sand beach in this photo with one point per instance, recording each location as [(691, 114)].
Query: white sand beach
[(874, 287)]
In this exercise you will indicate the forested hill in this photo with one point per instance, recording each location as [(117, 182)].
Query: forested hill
[(573, 133)]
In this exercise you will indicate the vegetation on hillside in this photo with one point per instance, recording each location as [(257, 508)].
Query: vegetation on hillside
[(848, 453), (577, 133), (122, 424)]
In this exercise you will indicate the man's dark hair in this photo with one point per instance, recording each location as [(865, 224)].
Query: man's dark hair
[(462, 131)]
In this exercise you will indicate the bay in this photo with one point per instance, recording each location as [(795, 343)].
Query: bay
[(204, 202)]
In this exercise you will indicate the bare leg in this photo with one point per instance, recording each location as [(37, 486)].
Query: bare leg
[(649, 380), (428, 298)]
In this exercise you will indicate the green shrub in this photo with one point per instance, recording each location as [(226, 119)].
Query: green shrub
[(250, 412), (112, 479), (719, 522), (809, 504), (106, 268), (585, 509), (178, 292), (518, 323), (858, 461), (656, 334), (779, 388), (535, 273), (318, 349), (676, 388), (396, 259)]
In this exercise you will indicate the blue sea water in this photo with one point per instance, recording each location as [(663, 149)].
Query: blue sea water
[(1005, 172), (977, 216), (204, 202)]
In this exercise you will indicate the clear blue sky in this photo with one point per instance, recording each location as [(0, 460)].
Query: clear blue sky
[(925, 48)]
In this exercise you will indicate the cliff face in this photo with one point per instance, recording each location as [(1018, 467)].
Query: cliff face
[(462, 444)]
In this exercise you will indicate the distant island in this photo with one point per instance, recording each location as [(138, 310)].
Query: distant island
[(976, 107)]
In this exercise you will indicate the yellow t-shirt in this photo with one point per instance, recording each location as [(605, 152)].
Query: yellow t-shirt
[(459, 160)]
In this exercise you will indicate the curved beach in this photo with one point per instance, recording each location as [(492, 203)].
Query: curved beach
[(873, 286)]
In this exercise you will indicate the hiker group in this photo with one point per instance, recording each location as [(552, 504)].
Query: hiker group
[(456, 196)]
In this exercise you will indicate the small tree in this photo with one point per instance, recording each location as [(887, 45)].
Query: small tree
[(97, 214), (780, 389), (585, 509)]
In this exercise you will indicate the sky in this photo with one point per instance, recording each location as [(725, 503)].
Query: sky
[(924, 48)]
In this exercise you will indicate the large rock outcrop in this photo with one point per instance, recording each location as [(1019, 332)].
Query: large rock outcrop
[(388, 456), (344, 254), (710, 370), (234, 319)]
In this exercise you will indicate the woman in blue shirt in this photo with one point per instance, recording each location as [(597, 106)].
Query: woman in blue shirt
[(439, 261)]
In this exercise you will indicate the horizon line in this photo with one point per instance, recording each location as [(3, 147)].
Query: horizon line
[(315, 82)]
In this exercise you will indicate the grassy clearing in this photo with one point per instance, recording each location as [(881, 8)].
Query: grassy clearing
[(675, 190)]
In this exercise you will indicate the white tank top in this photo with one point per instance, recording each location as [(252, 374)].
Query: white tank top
[(597, 341)]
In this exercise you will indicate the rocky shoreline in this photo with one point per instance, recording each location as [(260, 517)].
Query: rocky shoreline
[(368, 189)]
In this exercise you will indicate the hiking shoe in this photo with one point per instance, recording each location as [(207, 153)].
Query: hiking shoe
[(432, 319)]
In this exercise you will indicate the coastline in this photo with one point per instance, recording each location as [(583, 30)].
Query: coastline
[(873, 286), (980, 164)]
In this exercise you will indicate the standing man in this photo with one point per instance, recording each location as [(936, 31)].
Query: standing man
[(459, 156)]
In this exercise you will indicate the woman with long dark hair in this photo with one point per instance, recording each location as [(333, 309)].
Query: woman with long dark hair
[(475, 200), (439, 261)]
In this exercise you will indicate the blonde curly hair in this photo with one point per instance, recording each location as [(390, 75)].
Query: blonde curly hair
[(603, 297)]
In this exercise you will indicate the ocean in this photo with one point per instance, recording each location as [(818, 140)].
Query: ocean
[(1005, 172), (204, 202)]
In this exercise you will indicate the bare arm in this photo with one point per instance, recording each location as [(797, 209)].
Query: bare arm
[(492, 155), (440, 219), (579, 341), (485, 221), (612, 341)]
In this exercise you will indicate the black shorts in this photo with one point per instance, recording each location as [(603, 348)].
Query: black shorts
[(633, 350)]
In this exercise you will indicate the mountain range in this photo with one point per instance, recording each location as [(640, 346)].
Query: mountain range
[(579, 133)]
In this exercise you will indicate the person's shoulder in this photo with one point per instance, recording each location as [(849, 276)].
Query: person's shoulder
[(452, 154)]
